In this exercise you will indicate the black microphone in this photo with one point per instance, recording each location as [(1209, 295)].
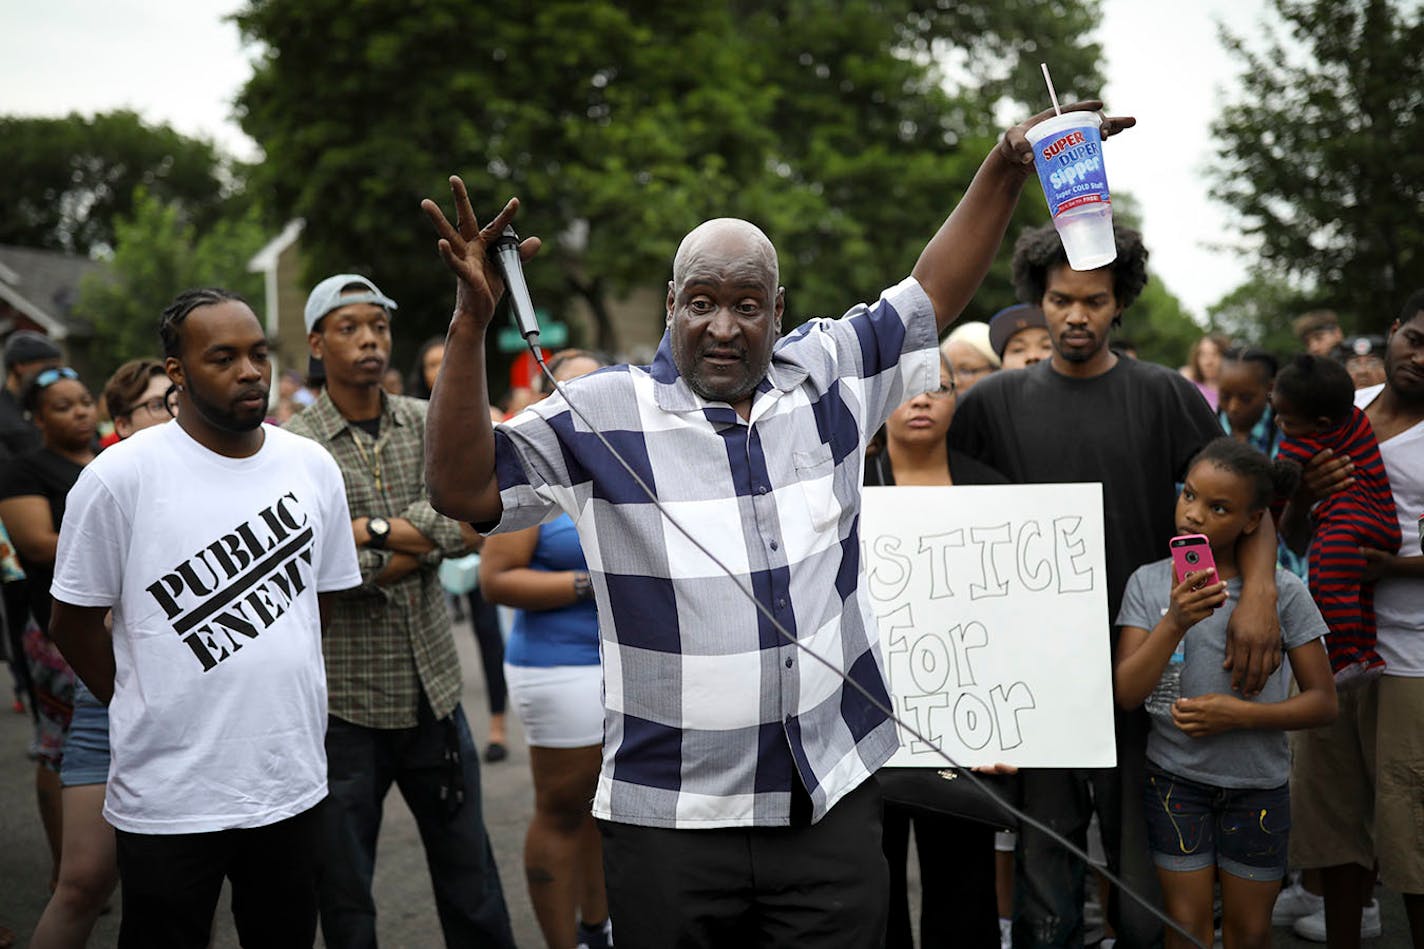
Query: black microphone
[(505, 253)]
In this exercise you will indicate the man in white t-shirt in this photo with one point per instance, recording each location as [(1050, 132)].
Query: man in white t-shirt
[(1355, 786), (214, 541)]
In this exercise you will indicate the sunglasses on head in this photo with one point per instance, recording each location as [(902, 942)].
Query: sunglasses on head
[(50, 376)]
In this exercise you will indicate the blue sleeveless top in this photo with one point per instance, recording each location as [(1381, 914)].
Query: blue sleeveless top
[(566, 635)]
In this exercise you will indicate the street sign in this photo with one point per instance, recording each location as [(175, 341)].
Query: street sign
[(552, 334)]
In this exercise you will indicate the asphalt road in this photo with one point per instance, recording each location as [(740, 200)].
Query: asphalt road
[(403, 896), (404, 902)]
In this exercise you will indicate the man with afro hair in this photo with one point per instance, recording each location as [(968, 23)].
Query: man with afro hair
[(1087, 415)]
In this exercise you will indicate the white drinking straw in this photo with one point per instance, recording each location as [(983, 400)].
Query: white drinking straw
[(1051, 94)]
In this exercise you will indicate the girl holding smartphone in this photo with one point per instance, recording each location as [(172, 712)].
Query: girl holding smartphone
[(1218, 765)]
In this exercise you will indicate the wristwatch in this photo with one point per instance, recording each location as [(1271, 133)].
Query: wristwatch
[(379, 530)]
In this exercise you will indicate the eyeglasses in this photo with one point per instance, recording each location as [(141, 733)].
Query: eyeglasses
[(158, 405), (943, 392), (50, 376), (973, 370)]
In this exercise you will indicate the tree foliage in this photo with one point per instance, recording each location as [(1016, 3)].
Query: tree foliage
[(1325, 161), (1157, 323), (623, 124), (159, 251), (1260, 312), (1159, 326), (67, 179)]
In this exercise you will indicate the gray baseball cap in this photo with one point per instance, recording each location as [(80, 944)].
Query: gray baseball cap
[(327, 296)]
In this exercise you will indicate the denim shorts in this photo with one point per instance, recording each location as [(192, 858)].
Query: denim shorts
[(86, 747), (1191, 826)]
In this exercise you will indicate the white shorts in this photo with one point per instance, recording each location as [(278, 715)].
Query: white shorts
[(559, 706)]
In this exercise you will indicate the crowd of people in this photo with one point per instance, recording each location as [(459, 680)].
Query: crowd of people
[(227, 618), (1355, 512)]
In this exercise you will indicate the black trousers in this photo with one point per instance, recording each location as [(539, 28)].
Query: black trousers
[(1048, 881), (362, 764), (172, 882), (484, 620), (959, 905), (822, 885)]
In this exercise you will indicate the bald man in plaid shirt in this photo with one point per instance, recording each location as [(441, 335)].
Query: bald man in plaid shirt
[(734, 798)]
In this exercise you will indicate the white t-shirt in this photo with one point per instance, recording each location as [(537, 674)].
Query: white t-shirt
[(212, 566), (1399, 602)]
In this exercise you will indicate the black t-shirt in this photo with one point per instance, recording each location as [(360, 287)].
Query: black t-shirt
[(1134, 428), (44, 474), (371, 426), (963, 470), (18, 435)]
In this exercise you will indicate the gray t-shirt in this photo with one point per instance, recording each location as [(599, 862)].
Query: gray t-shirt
[(1247, 758)]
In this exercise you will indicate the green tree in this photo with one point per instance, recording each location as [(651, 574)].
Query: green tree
[(622, 124), (1260, 311), (159, 251), (67, 179), (1159, 326), (1323, 157), (1157, 323)]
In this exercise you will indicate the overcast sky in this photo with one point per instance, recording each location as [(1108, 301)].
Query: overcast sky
[(177, 61)]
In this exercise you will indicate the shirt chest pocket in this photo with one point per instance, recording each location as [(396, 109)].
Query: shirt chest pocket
[(816, 483)]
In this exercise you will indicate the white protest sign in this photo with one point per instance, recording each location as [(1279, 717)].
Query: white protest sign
[(992, 608)]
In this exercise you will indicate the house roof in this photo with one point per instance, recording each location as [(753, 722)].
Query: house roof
[(44, 285), (265, 262), (266, 258)]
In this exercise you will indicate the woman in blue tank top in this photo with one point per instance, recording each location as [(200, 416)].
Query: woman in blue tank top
[(555, 678)]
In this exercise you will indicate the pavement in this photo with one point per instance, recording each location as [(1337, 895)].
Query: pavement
[(405, 904)]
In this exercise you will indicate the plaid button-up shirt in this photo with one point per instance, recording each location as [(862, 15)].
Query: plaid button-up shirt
[(709, 711), (385, 645)]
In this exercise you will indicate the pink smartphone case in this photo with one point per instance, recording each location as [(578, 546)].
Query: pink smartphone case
[(1191, 552)]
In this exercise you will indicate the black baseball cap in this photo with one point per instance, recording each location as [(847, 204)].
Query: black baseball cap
[(28, 346), (1010, 320)]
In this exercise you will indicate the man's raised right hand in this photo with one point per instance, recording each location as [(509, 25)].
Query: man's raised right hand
[(464, 247)]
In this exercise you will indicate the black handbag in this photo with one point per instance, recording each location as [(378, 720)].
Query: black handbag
[(954, 792)]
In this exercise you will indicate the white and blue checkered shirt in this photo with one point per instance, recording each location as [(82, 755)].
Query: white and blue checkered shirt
[(709, 711)]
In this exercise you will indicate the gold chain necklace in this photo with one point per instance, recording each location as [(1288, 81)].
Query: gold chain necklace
[(373, 463)]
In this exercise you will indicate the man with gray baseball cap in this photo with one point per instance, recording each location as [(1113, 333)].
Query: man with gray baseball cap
[(393, 677), (344, 289)]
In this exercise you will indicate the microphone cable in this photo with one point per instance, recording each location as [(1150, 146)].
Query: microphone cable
[(979, 783)]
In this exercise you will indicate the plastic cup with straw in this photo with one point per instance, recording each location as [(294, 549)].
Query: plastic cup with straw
[(1068, 155)]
